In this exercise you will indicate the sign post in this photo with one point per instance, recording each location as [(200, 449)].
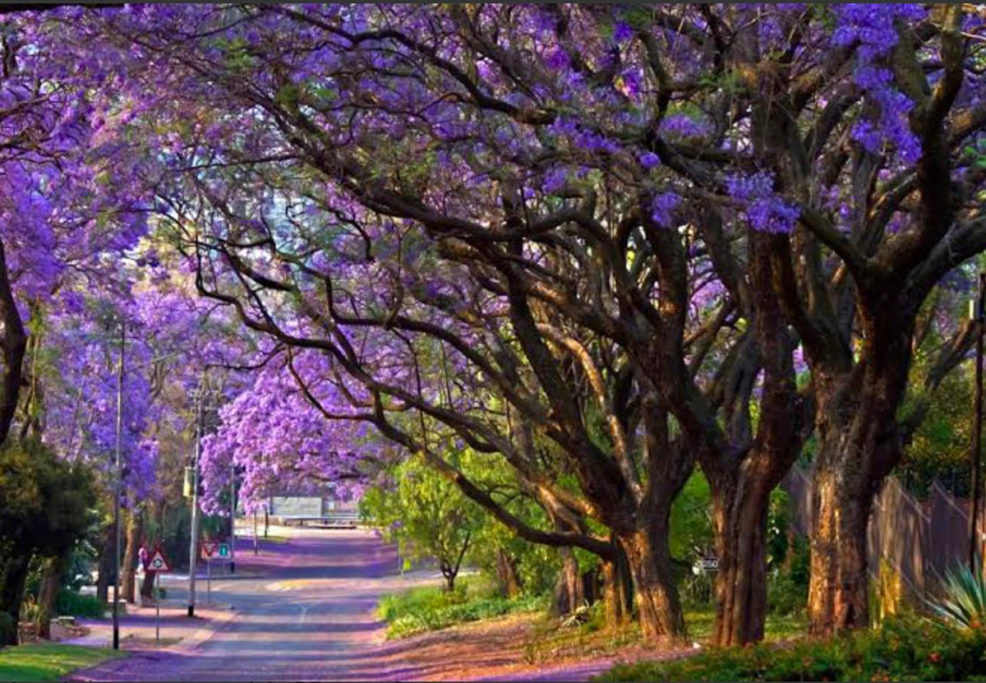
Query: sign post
[(208, 549), (159, 564), (224, 554)]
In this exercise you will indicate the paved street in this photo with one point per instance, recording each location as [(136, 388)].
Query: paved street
[(309, 616)]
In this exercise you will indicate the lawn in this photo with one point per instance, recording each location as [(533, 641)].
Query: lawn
[(778, 627), (49, 661)]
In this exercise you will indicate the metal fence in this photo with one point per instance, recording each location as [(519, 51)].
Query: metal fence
[(920, 539)]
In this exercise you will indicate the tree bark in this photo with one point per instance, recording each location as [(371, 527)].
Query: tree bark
[(617, 590), (858, 445), (568, 595), (12, 591), (837, 594), (104, 577), (740, 523), (13, 347), (655, 590), (508, 581), (51, 583), (135, 527)]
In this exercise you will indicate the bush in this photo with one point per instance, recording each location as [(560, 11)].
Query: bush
[(902, 648), (70, 603), (7, 628), (431, 609)]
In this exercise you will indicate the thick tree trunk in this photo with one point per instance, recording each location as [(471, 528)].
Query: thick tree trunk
[(128, 579), (740, 522), (858, 445), (12, 591), (51, 583), (837, 594), (569, 594), (655, 590)]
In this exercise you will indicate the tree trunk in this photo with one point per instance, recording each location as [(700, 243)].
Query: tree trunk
[(147, 585), (655, 591), (858, 446), (105, 575), (569, 595), (740, 523), (51, 583), (617, 591), (135, 527), (12, 591), (13, 347), (508, 581)]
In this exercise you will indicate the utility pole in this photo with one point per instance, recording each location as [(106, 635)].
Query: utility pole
[(193, 550), (118, 486), (232, 516), (976, 311)]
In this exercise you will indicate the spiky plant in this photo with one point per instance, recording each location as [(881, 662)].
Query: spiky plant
[(964, 601)]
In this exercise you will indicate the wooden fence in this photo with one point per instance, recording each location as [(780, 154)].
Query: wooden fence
[(920, 539)]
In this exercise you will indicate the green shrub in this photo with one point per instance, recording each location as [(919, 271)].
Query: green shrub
[(430, 608), (964, 603), (72, 604), (7, 628), (903, 648)]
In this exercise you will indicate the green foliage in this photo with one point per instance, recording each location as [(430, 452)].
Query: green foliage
[(50, 661), (70, 603), (901, 649), (427, 515), (787, 584), (48, 503), (964, 602), (691, 522), (429, 609)]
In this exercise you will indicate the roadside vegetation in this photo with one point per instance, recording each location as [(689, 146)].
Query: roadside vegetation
[(432, 608), (49, 661)]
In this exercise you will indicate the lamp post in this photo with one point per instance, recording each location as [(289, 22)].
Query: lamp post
[(976, 310), (193, 549), (118, 485), (232, 516)]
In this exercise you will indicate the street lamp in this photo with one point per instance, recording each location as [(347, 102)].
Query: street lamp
[(118, 474), (976, 311), (193, 548), (118, 485)]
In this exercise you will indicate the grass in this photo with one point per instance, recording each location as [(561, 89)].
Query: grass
[(49, 661), (779, 626), (431, 608)]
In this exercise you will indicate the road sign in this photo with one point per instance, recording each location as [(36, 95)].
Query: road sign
[(157, 562), (223, 550), (209, 548), (710, 564)]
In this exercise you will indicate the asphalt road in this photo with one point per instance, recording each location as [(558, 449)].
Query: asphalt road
[(310, 617)]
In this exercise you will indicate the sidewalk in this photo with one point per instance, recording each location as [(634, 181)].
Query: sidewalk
[(137, 627)]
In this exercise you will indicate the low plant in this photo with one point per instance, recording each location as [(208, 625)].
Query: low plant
[(964, 600), (431, 608), (903, 648), (73, 604)]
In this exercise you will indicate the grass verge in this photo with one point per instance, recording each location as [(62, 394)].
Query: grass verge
[(431, 608), (49, 661)]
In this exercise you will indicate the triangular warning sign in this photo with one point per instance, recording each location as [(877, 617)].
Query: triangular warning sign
[(209, 548), (157, 562)]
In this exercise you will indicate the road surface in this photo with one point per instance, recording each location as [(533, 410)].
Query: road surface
[(310, 617)]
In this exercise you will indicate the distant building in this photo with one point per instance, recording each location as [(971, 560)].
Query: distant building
[(307, 508)]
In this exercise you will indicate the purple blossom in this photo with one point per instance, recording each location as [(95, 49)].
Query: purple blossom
[(662, 208)]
